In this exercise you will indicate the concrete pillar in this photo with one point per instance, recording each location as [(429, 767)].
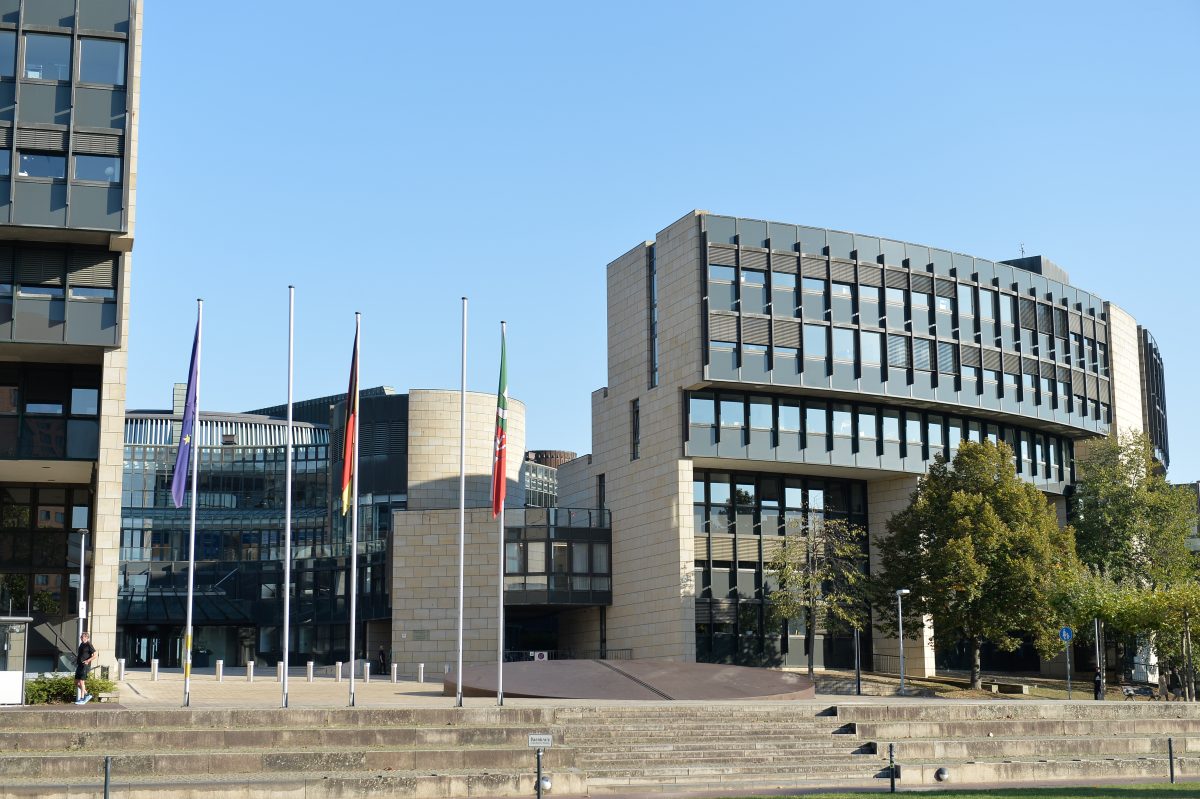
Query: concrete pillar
[(309, 671), (250, 671), (120, 669), (420, 672), (395, 666), (337, 671)]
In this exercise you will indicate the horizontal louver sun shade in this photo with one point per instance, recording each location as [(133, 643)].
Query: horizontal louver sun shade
[(921, 355), (922, 283), (722, 548), (842, 272), (752, 259), (722, 327), (1105, 392), (1076, 324), (726, 256), (781, 262), (943, 288), (1012, 364), (1064, 374), (6, 265), (41, 139), (970, 356), (5, 137), (812, 267), (895, 279), (946, 359), (991, 360), (98, 144), (870, 275), (1029, 366), (1060, 323), (724, 612), (1047, 370), (1077, 381), (41, 267), (756, 330), (1045, 323), (97, 270), (1089, 327), (1092, 386), (787, 333)]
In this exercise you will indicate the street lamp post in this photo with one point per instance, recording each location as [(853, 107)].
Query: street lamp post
[(83, 534), (900, 594)]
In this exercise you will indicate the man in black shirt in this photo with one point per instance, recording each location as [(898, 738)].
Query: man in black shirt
[(83, 661)]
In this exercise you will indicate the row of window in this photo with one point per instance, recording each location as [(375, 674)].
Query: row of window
[(991, 318), (28, 508), (93, 168), (874, 250), (872, 429), (48, 57), (865, 351)]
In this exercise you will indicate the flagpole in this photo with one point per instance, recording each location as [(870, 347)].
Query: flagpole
[(287, 501), (462, 504), (354, 507), (500, 535), (191, 578)]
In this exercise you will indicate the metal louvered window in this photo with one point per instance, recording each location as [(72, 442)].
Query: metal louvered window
[(40, 272), (922, 357), (947, 362), (898, 351)]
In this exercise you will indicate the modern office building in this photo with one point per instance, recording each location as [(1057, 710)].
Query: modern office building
[(69, 83), (763, 375)]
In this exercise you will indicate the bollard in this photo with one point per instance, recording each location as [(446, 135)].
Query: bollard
[(420, 672), (249, 671), (279, 671), (310, 671), (394, 667), (220, 672), (107, 774), (892, 766), (153, 669), (445, 668), (120, 669), (337, 671), (366, 671), (539, 773), (1171, 757)]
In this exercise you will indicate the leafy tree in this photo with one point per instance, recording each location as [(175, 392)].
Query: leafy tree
[(821, 574), (982, 553), (1131, 525)]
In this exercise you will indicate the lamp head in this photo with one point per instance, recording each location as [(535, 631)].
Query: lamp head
[(902, 592)]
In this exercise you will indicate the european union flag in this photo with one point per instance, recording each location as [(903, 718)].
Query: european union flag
[(187, 433)]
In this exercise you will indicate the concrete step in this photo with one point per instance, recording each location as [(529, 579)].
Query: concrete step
[(1034, 728), (992, 772), (761, 770), (333, 785), (162, 764), (744, 784), (1017, 710), (1088, 747), (689, 745), (267, 738)]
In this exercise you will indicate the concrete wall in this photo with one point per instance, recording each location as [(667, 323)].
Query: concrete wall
[(1125, 358), (653, 610), (433, 449)]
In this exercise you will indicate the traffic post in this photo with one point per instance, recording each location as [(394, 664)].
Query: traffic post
[(1066, 634)]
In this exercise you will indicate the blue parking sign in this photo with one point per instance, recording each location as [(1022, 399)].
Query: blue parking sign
[(1066, 634)]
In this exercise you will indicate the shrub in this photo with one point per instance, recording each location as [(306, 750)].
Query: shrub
[(50, 688)]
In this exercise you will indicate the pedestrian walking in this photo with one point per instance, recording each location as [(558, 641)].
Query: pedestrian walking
[(1175, 685), (1162, 684), (84, 657)]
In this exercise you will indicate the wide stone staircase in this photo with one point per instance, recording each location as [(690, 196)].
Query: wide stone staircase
[(717, 747), (676, 747), (278, 754)]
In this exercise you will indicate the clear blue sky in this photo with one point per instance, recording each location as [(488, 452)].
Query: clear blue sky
[(392, 157)]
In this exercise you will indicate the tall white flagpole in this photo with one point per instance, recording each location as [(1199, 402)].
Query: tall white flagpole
[(354, 508), (191, 580), (500, 516), (287, 501), (462, 505)]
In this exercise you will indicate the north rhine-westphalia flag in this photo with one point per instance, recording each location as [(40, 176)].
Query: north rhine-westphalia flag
[(498, 461), (349, 463), (183, 458)]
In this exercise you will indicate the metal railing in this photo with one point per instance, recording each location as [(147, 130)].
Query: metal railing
[(885, 664), (520, 655)]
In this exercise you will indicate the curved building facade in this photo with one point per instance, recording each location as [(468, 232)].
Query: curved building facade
[(762, 375)]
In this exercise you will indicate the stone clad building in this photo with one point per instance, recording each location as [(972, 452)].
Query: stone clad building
[(762, 376)]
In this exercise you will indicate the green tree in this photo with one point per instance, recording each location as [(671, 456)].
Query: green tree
[(821, 574), (1131, 525), (982, 553)]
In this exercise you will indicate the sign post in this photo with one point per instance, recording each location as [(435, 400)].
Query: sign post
[(541, 742), (1066, 634)]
